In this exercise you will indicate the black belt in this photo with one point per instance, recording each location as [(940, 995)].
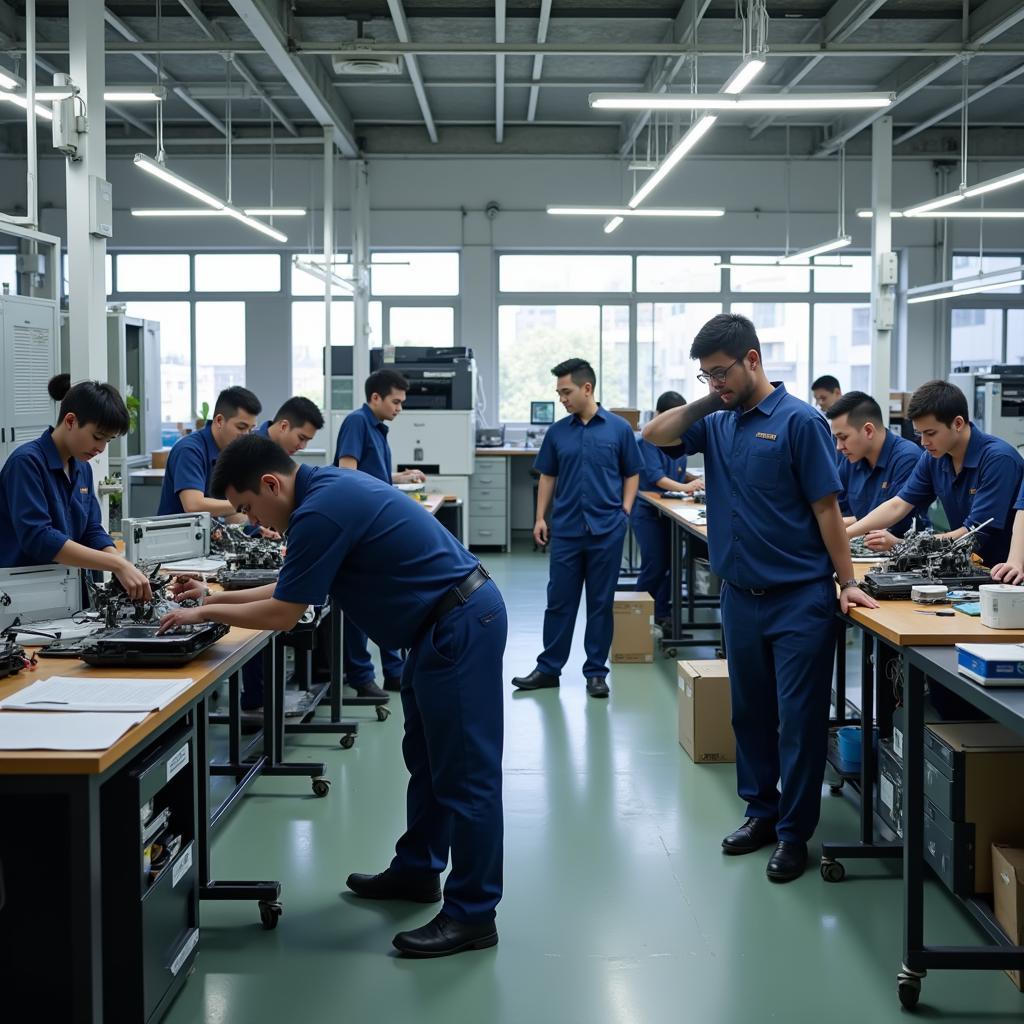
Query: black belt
[(769, 591), (458, 595)]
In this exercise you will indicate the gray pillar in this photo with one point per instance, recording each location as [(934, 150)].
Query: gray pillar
[(86, 253), (361, 273), (328, 266), (883, 276)]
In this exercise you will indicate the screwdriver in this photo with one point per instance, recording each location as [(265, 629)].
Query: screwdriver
[(945, 615)]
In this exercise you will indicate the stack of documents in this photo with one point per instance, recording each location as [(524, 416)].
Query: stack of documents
[(50, 730), (89, 693)]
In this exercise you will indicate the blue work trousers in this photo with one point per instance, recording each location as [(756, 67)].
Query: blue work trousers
[(356, 657), (654, 535), (452, 696), (574, 562), (781, 649)]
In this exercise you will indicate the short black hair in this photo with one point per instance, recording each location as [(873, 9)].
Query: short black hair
[(245, 460), (94, 402), (669, 400), (59, 386), (382, 382), (230, 400), (580, 370), (299, 411), (826, 382), (730, 333), (859, 408), (940, 399)]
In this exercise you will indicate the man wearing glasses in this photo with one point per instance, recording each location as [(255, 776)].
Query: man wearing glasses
[(775, 535)]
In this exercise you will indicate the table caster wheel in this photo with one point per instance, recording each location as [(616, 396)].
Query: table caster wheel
[(835, 788), (321, 786), (383, 713), (670, 652), (909, 988), (270, 914), (347, 741), (832, 870)]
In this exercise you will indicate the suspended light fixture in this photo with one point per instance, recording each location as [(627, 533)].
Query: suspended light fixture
[(966, 286), (690, 138), (625, 211), (751, 67), (316, 267), (720, 102), (256, 211), (955, 214), (842, 239)]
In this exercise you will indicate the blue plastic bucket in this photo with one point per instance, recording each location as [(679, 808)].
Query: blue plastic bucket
[(849, 744)]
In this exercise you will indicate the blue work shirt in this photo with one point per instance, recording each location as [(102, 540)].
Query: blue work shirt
[(986, 487), (189, 468), (866, 487), (385, 559), (657, 463), (263, 429), (763, 469), (364, 438), (44, 504), (590, 460)]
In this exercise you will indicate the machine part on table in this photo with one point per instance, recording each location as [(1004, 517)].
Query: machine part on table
[(242, 551), (12, 655)]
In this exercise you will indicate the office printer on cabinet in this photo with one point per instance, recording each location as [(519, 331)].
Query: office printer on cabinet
[(439, 378)]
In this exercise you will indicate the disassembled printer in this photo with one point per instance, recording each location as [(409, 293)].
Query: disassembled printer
[(249, 561), (924, 558)]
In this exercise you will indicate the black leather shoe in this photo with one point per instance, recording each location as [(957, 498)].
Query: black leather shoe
[(750, 836), (444, 936), (597, 686), (371, 690), (391, 886), (393, 684), (787, 862), (536, 680)]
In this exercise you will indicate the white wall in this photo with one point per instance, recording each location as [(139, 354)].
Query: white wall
[(424, 202)]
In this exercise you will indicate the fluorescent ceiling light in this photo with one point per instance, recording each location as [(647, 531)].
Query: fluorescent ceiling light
[(158, 170), (13, 97), (694, 134), (317, 268), (128, 94), (956, 214), (744, 75), (968, 192), (816, 250), (956, 292), (257, 211), (868, 214), (256, 225), (721, 102), (7, 82), (612, 225), (625, 211)]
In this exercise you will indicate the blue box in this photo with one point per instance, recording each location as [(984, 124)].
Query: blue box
[(992, 664)]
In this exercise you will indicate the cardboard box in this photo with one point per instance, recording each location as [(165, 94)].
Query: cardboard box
[(1008, 895), (899, 402), (632, 640), (705, 712), (631, 416), (158, 458)]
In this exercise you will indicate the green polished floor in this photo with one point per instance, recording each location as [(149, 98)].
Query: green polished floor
[(618, 905)]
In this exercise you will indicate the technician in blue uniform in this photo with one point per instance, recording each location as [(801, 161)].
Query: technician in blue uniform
[(186, 486), (363, 445), (409, 583), (976, 476), (1012, 570), (48, 507), (652, 530), (775, 534), (591, 464), (294, 425), (875, 462)]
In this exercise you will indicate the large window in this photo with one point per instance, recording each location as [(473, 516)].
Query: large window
[(565, 273), (665, 332), (842, 343), (414, 273), (678, 274), (421, 325), (238, 272), (220, 348), (784, 330), (308, 344), (1015, 336), (175, 319), (976, 337), (153, 272), (753, 274)]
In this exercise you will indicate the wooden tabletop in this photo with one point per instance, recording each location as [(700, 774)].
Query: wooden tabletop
[(433, 502), (213, 664), (903, 624), (507, 450), (671, 507)]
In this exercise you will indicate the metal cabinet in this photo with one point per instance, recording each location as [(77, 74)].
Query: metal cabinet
[(489, 521)]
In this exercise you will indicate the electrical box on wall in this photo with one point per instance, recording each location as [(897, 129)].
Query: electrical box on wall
[(888, 268), (101, 207), (885, 312)]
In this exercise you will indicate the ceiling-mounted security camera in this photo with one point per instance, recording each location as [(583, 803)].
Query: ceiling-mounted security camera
[(492, 209)]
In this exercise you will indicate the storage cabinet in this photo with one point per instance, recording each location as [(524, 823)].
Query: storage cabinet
[(489, 521)]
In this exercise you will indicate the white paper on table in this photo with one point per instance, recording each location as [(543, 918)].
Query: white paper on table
[(55, 731), (693, 515), (90, 693)]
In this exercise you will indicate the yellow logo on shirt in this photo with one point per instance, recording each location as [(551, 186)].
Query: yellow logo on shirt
[(83, 490), (973, 490), (885, 484), (767, 437)]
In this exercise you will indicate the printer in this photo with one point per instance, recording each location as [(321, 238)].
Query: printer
[(439, 378)]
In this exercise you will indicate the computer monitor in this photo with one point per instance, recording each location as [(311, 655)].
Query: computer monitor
[(542, 414)]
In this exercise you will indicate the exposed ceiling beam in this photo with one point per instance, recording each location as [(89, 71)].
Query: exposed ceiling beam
[(499, 73), (1001, 82), (841, 20), (986, 23), (131, 37), (661, 74), (307, 77), (444, 48), (402, 30), (212, 31), (538, 61)]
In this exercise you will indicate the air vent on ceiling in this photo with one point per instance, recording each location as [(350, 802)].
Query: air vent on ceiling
[(363, 59)]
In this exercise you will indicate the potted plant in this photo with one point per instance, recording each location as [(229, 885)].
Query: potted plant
[(203, 413)]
